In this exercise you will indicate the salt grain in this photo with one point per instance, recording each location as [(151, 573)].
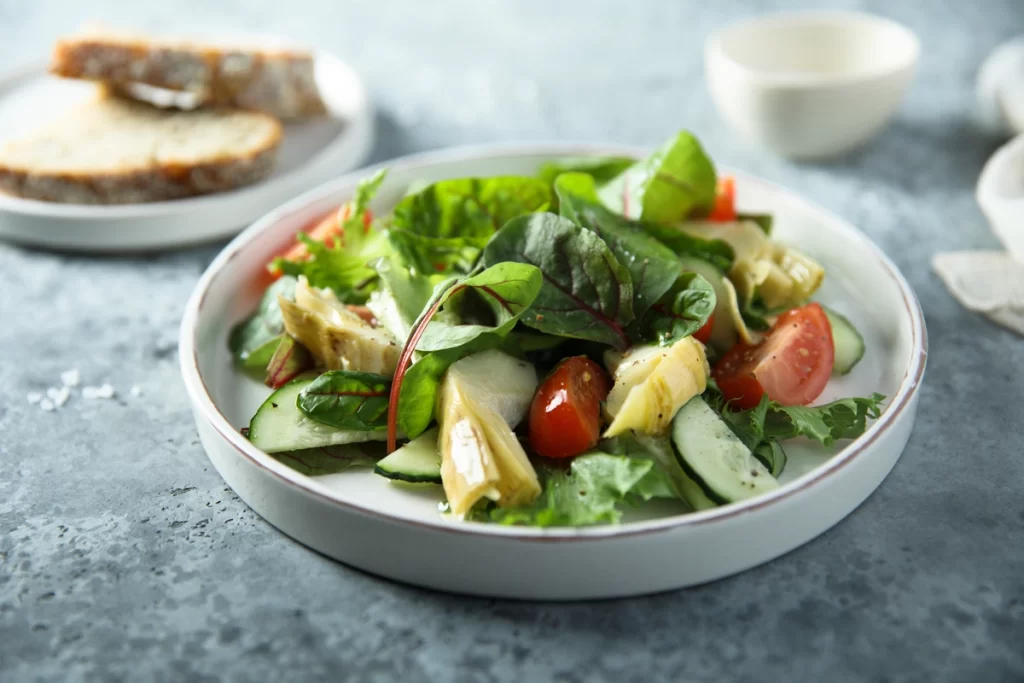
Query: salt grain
[(136, 390), (58, 396), (105, 391), (70, 378), (34, 397), (47, 405)]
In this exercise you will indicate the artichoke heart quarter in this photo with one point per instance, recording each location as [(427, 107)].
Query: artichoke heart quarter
[(480, 456), (338, 338), (783, 276), (652, 383)]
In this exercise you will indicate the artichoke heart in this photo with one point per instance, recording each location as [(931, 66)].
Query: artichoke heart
[(652, 383), (480, 456), (338, 338), (783, 276)]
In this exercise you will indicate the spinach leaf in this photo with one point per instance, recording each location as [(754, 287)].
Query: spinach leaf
[(470, 207), (589, 492), (348, 400), (315, 462), (254, 340), (682, 311), (601, 169), (342, 265), (418, 393), (490, 302), (475, 314), (436, 254), (586, 293), (666, 186), (716, 252), (652, 266)]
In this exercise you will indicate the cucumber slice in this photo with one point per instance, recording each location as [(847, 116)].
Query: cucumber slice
[(418, 461), (694, 495), (279, 425), (849, 345), (715, 458)]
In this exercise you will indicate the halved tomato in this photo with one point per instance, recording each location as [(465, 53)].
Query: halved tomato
[(724, 208), (565, 416), (792, 365)]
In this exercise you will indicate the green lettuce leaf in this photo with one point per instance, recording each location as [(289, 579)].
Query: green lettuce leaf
[(653, 267), (666, 186), (347, 400), (436, 254), (586, 294), (601, 169), (716, 252), (401, 296), (589, 492), (254, 340), (344, 266), (470, 207), (681, 312)]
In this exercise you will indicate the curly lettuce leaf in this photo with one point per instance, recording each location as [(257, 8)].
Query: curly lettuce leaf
[(590, 491), (343, 265)]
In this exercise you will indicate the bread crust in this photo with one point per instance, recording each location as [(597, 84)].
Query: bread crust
[(274, 81)]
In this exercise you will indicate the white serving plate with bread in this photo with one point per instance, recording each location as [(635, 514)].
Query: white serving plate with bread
[(227, 158)]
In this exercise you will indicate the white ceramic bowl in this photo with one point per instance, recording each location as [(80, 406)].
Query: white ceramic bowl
[(810, 84), (361, 519)]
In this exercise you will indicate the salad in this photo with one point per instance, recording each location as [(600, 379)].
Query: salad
[(551, 350)]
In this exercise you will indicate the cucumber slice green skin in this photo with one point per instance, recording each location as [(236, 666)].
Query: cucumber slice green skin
[(417, 462), (715, 458), (848, 342), (279, 425)]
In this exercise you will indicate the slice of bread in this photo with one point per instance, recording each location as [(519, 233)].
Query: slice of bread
[(280, 82), (116, 151)]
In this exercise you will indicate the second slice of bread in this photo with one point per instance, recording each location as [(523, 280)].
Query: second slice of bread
[(280, 82), (116, 151)]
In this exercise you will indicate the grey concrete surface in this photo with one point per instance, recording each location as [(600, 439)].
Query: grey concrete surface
[(123, 556)]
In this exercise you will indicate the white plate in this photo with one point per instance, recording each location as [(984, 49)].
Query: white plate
[(361, 519), (312, 151)]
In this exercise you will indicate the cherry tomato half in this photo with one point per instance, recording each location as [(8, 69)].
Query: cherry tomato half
[(792, 364), (565, 416)]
